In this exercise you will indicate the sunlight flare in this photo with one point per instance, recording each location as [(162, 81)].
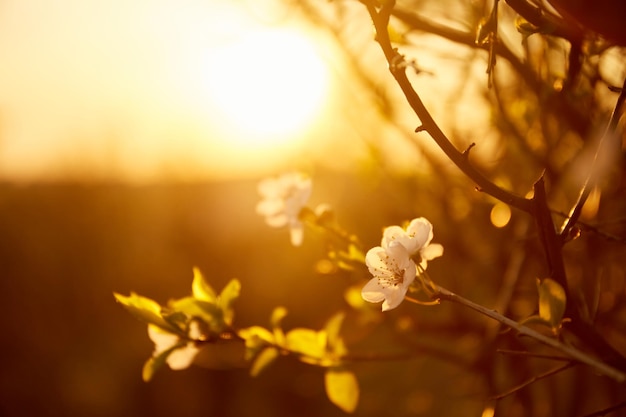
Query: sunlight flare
[(266, 85)]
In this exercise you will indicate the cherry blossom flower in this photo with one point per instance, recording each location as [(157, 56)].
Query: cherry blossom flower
[(181, 357), (393, 272), (416, 239), (282, 200), (393, 263)]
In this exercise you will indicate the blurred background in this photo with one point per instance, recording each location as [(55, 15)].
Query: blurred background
[(132, 139)]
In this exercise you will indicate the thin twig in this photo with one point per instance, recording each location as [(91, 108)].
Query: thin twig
[(533, 380), (570, 351), (532, 355), (533, 80), (591, 177), (549, 24), (380, 18), (511, 275), (604, 412), (594, 229)]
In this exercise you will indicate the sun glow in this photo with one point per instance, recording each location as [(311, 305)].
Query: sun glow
[(265, 86), (190, 89)]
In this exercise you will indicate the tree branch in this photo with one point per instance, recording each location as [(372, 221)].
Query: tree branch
[(534, 379), (549, 24), (395, 60), (591, 179), (570, 351)]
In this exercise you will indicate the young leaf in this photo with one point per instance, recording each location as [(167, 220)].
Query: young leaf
[(193, 307), (201, 289), (342, 389), (334, 341), (309, 343), (355, 253), (263, 360), (551, 301), (153, 364), (144, 309), (256, 338), (226, 299), (277, 316), (256, 333)]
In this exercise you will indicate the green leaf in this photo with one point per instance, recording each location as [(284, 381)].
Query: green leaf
[(551, 301), (193, 307), (226, 299), (356, 253), (342, 389), (309, 343), (335, 343), (256, 338), (277, 316), (144, 309), (263, 360), (333, 326), (256, 332), (153, 364), (201, 289)]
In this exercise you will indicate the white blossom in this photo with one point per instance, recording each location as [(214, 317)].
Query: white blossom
[(393, 272), (282, 200), (416, 239), (179, 358), (393, 263)]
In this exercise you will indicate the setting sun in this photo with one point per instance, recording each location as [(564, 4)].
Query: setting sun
[(182, 90), (266, 85)]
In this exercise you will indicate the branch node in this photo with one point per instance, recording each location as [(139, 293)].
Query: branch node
[(467, 150), (420, 128)]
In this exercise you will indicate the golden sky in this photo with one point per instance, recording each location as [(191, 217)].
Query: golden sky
[(146, 90), (151, 90)]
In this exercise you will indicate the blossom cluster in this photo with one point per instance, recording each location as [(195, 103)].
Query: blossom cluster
[(283, 198), (401, 256), (403, 253)]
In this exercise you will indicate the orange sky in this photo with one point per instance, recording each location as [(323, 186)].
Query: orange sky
[(151, 90), (131, 90)]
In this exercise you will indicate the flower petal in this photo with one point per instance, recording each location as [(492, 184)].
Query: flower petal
[(393, 298), (399, 255), (373, 292), (270, 207), (283, 200), (374, 259), (421, 231), (183, 357), (391, 234), (278, 220), (432, 251), (162, 340)]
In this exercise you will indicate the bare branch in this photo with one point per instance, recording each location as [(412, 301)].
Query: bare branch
[(604, 412), (591, 179), (533, 380), (381, 20), (568, 350)]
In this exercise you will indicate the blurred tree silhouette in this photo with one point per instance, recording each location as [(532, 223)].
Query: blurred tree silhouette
[(542, 241)]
